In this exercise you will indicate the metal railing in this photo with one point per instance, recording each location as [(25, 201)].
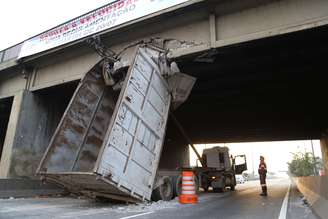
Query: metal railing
[(10, 53)]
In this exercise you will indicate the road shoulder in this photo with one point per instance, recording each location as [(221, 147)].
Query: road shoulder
[(297, 207)]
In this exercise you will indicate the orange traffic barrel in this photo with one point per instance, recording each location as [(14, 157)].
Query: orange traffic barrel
[(188, 190)]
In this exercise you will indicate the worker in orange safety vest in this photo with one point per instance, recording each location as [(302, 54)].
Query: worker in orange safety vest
[(262, 172)]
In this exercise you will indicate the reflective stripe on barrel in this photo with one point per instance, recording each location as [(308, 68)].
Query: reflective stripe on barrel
[(188, 188), (184, 192), (188, 183), (188, 178)]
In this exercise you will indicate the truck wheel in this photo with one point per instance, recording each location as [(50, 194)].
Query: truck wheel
[(177, 183), (197, 185), (233, 185), (164, 191)]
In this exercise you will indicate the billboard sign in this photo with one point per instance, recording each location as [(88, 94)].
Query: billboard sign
[(106, 17)]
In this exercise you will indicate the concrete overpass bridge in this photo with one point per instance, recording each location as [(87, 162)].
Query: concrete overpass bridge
[(260, 68)]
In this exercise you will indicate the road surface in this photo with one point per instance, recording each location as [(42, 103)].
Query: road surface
[(244, 203)]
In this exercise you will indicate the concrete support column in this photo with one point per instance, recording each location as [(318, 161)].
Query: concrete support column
[(33, 119), (6, 157), (324, 151)]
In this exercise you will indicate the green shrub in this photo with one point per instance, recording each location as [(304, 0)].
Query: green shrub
[(304, 164)]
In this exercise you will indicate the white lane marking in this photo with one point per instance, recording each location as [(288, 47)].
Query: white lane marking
[(284, 207), (137, 215)]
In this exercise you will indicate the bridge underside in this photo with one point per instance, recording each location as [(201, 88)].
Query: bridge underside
[(268, 89)]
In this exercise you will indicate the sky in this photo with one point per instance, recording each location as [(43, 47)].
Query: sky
[(276, 153), (20, 20)]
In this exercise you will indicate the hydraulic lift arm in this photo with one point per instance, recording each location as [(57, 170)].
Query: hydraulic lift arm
[(185, 135)]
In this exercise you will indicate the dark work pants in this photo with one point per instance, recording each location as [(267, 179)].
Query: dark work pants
[(263, 183)]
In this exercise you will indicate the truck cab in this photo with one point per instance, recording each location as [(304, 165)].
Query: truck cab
[(220, 169)]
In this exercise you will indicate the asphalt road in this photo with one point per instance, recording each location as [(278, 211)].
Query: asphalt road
[(243, 203)]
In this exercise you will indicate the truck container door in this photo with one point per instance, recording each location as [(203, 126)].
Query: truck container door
[(133, 144)]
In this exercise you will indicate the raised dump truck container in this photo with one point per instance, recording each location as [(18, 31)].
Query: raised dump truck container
[(109, 141)]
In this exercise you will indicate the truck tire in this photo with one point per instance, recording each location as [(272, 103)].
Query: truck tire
[(233, 185), (197, 185), (164, 191), (177, 183)]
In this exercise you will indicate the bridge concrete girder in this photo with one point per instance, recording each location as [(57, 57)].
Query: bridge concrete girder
[(234, 22), (190, 30), (12, 83)]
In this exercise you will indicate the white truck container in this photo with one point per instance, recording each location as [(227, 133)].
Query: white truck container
[(109, 142)]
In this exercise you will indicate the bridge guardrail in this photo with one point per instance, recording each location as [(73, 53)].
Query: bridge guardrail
[(10, 53)]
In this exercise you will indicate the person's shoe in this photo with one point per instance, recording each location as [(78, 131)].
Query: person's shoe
[(263, 194)]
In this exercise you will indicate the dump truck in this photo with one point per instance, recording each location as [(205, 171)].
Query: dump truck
[(218, 170), (109, 140)]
